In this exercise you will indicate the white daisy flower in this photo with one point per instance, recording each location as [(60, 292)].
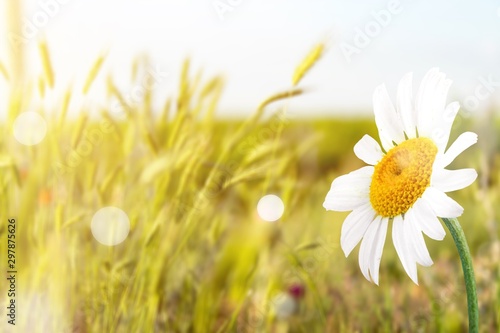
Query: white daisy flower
[(406, 181)]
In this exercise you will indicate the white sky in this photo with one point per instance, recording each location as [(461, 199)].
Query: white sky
[(259, 43)]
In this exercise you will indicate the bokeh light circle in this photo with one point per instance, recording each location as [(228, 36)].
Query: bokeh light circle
[(110, 226), (30, 128), (284, 306), (270, 208)]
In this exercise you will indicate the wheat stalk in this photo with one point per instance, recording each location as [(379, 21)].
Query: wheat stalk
[(308, 62), (46, 64), (94, 71)]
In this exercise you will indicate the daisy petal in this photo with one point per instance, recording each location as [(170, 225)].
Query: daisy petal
[(422, 100), (368, 150), (403, 249), (354, 227), (378, 248), (430, 101), (452, 180), (441, 204), (404, 105), (349, 191), (442, 129), (464, 141), (368, 244), (415, 237), (387, 119), (427, 220)]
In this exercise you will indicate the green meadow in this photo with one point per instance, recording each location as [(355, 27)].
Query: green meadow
[(198, 257)]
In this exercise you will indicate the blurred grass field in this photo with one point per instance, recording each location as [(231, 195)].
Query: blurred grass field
[(198, 257)]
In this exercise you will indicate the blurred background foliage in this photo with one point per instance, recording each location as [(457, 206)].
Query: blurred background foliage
[(198, 257)]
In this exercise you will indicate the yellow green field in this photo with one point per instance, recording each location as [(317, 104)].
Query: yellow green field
[(198, 257)]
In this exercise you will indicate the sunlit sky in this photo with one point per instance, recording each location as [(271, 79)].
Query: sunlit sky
[(259, 42)]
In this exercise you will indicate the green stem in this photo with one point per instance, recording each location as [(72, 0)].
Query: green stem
[(470, 282)]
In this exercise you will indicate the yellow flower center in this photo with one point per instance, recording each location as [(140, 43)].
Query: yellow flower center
[(402, 176)]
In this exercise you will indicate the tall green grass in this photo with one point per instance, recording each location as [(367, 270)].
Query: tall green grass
[(198, 257)]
